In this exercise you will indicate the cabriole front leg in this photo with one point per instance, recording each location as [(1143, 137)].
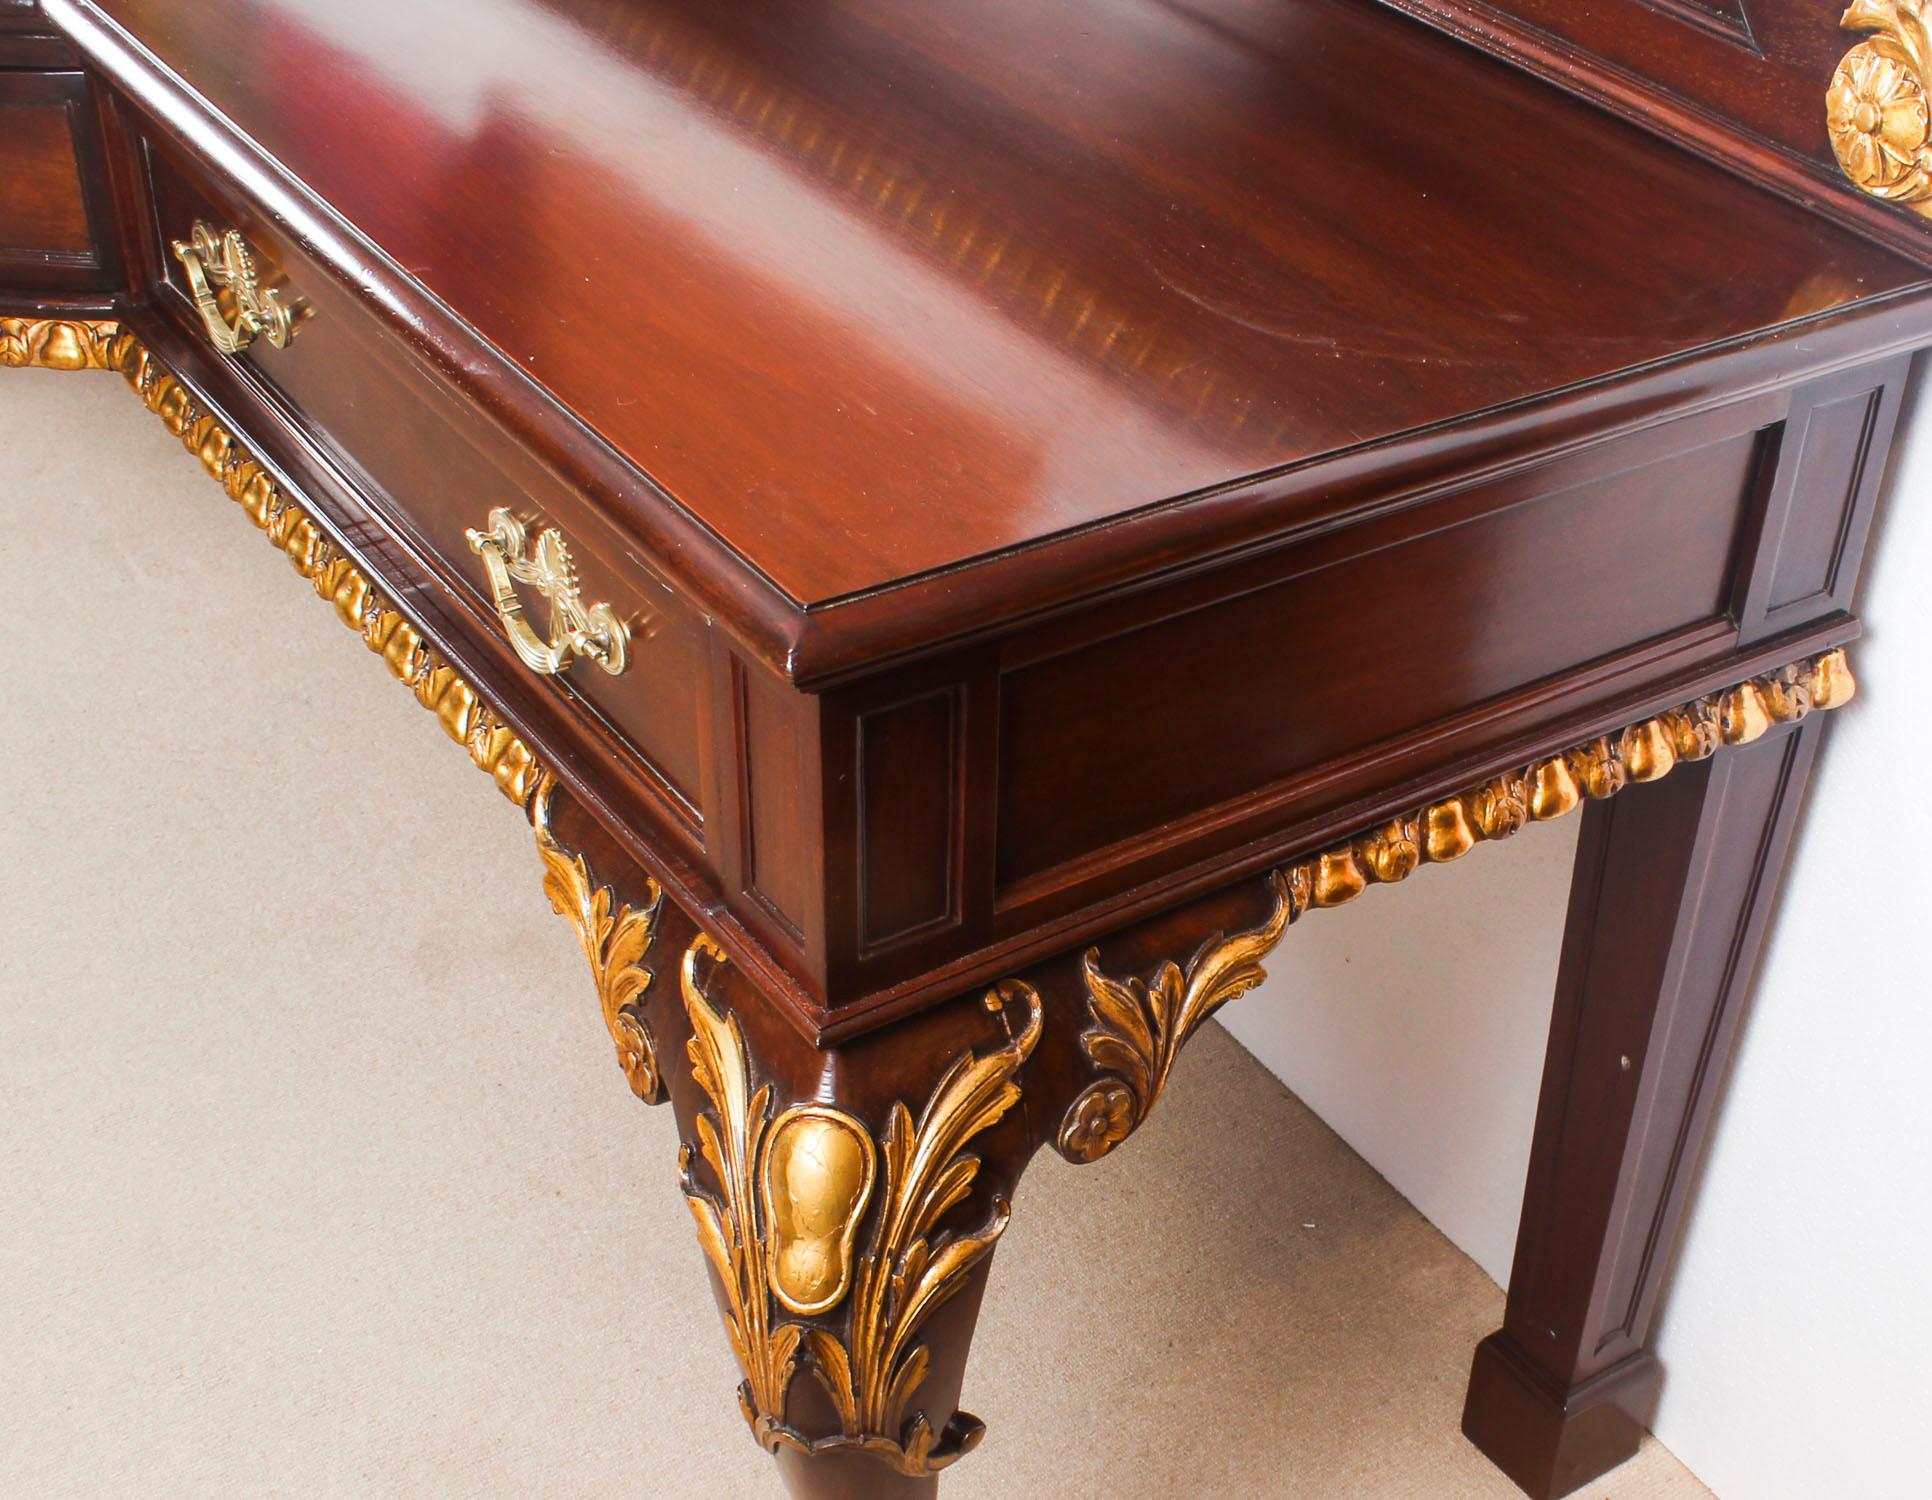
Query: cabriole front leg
[(847, 1203)]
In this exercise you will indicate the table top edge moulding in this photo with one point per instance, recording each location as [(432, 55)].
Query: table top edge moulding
[(818, 632)]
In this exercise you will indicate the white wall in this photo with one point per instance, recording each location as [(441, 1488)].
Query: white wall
[(1413, 1021), (1796, 1338)]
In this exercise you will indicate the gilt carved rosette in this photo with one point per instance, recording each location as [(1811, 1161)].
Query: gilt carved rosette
[(1138, 1024), (1877, 111)]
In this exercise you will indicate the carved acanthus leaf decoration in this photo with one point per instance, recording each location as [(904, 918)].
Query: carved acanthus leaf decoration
[(1877, 110), (615, 940), (910, 1267), (731, 1141), (1139, 1027)]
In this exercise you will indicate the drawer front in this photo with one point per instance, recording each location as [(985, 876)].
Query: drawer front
[(438, 467)]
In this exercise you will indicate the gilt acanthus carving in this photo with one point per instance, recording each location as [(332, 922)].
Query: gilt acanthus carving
[(1138, 1026), (1876, 109), (750, 1221), (731, 1140), (615, 938)]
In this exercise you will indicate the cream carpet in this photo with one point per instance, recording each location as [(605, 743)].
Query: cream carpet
[(317, 1178)]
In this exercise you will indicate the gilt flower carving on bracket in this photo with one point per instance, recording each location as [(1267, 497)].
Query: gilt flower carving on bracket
[(1139, 1024), (1876, 110), (1101, 1118)]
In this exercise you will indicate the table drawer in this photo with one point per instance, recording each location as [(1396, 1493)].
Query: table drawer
[(440, 468)]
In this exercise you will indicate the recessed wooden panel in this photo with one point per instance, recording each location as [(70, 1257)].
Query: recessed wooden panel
[(1119, 738), (1830, 470), (908, 816), (41, 208), (54, 200), (779, 798), (1831, 464)]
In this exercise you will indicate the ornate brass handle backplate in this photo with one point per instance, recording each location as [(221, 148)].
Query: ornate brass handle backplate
[(1877, 108), (575, 629), (217, 262)]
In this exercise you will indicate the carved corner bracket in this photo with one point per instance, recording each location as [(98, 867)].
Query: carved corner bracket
[(1877, 110), (1138, 1026), (788, 1198), (615, 938)]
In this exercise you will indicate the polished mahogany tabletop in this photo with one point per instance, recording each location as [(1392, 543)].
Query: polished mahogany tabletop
[(874, 289)]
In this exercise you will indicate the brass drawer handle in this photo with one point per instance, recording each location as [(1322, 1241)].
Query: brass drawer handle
[(575, 630), (223, 261)]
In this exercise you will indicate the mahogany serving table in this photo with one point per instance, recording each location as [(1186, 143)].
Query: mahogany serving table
[(960, 522)]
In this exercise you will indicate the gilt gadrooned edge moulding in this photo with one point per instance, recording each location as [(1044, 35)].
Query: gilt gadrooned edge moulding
[(836, 1240), (57, 344), (615, 937), (1140, 1025), (70, 344)]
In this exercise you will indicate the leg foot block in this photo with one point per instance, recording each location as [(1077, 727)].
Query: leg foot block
[(1552, 1441)]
